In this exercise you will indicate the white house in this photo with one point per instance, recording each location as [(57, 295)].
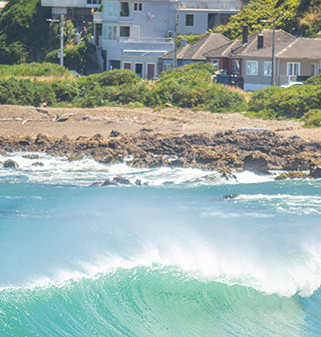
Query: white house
[(133, 35)]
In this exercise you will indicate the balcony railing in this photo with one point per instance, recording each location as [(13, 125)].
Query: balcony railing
[(214, 5), (147, 40), (98, 17), (71, 3)]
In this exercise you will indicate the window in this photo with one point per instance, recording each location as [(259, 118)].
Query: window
[(124, 9), (124, 31), (267, 68), (215, 64), (252, 68), (293, 68), (235, 66), (135, 32), (110, 8), (93, 2), (189, 20), (110, 32), (139, 69), (138, 6)]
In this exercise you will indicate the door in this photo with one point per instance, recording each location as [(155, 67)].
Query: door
[(139, 69), (150, 71)]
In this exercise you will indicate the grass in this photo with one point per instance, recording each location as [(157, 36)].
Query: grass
[(42, 71)]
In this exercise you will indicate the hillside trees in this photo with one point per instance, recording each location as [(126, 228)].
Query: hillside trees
[(24, 31)]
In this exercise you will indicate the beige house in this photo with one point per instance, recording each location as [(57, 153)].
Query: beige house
[(298, 61)]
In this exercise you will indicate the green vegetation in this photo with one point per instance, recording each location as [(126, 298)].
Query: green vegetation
[(47, 70), (312, 119), (74, 58), (293, 16), (292, 102), (24, 32), (190, 86)]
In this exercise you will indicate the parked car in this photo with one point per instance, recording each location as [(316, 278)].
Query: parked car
[(291, 84)]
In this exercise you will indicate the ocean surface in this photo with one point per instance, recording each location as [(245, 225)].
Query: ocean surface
[(168, 258)]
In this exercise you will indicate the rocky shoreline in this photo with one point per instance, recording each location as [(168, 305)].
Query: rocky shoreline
[(253, 149)]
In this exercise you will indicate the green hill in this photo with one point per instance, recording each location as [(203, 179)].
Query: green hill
[(301, 17)]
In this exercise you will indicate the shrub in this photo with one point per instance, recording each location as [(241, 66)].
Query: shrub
[(291, 102), (312, 119)]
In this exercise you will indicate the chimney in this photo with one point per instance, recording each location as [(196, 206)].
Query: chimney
[(245, 33), (260, 41)]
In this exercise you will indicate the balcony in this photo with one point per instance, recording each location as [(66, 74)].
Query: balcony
[(71, 3), (211, 5), (98, 17), (147, 40)]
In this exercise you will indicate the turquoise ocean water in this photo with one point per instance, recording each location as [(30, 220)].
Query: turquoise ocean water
[(168, 259)]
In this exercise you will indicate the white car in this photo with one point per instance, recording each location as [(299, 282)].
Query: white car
[(291, 84)]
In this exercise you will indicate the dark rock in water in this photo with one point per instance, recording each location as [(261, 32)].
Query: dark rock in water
[(121, 180), (229, 196), (315, 171), (256, 162), (114, 134), (10, 164), (138, 182), (168, 183), (95, 184), (292, 175), (116, 181)]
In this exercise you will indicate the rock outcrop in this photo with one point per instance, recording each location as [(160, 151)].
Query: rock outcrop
[(258, 151)]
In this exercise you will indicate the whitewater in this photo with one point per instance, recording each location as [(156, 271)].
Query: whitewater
[(172, 257)]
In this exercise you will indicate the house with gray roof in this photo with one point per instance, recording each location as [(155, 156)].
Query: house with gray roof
[(299, 60), (194, 52), (251, 57)]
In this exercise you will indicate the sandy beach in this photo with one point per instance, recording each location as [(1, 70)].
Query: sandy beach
[(16, 121)]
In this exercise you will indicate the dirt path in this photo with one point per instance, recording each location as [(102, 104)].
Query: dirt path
[(30, 121)]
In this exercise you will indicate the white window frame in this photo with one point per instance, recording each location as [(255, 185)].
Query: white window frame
[(147, 69), (248, 73), (291, 65), (216, 63), (110, 9), (267, 66), (110, 32), (132, 32), (193, 20), (139, 6)]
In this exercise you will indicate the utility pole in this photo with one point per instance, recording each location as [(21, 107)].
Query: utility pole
[(62, 40), (175, 37), (273, 51), (273, 54), (61, 37)]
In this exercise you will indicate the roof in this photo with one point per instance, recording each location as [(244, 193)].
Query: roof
[(250, 49), (196, 50), (302, 48)]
